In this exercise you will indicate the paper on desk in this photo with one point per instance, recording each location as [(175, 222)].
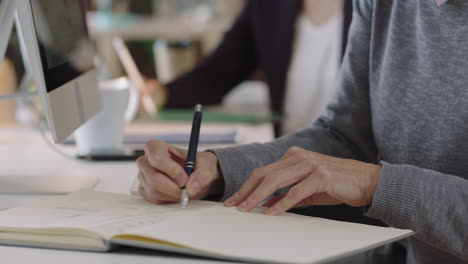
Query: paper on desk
[(206, 226), (104, 213)]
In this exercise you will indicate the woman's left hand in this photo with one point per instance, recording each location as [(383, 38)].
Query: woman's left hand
[(316, 179)]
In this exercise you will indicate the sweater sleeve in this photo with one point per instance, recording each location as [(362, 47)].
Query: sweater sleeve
[(233, 61), (344, 132), (432, 204)]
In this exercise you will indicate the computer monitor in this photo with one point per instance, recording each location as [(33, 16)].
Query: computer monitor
[(59, 55), (56, 50)]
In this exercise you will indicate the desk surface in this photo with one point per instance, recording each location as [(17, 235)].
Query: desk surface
[(22, 151)]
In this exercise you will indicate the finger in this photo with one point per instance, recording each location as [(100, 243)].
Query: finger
[(141, 179), (315, 199), (309, 186), (161, 197), (247, 188), (152, 179), (295, 195), (178, 154), (167, 160), (198, 180), (266, 188), (159, 156), (255, 179), (149, 189), (276, 180), (273, 200), (155, 197)]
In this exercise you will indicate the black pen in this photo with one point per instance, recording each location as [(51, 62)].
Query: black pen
[(192, 150)]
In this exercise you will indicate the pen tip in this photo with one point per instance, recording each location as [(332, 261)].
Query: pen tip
[(198, 108)]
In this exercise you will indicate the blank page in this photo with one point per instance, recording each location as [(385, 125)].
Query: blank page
[(206, 226)]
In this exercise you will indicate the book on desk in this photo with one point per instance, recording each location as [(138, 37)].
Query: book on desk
[(96, 221)]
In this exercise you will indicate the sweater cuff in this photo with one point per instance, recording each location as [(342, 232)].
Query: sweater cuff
[(394, 201), (231, 164)]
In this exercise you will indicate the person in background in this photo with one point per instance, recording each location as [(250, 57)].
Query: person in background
[(393, 143), (11, 72), (297, 45)]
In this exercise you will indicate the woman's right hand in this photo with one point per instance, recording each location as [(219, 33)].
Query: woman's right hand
[(162, 175)]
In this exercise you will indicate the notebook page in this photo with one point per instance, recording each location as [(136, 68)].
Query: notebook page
[(289, 238), (206, 226), (105, 214)]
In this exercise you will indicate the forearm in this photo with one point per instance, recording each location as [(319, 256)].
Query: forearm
[(200, 86), (433, 204)]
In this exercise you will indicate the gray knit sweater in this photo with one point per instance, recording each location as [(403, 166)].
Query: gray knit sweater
[(402, 101)]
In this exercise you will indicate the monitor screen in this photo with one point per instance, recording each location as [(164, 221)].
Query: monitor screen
[(65, 48)]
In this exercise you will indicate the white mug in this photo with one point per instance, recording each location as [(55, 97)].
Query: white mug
[(103, 134)]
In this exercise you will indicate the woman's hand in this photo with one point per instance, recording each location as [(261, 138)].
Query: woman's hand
[(162, 174), (157, 91), (317, 180)]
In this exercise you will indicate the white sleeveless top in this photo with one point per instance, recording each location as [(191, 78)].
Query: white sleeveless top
[(313, 72)]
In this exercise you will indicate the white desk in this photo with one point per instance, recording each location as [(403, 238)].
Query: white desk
[(22, 151)]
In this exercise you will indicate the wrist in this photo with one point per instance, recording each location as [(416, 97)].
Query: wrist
[(374, 177), (218, 179)]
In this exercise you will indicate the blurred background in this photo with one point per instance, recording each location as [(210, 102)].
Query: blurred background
[(191, 27), (165, 37), (280, 68)]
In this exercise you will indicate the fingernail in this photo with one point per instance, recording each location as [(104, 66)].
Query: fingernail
[(193, 188)]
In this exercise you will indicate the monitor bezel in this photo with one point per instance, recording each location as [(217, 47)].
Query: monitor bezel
[(64, 73)]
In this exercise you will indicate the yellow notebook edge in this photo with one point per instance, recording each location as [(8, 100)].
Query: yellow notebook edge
[(55, 238), (59, 246)]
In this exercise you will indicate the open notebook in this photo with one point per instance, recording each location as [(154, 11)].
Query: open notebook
[(98, 221)]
